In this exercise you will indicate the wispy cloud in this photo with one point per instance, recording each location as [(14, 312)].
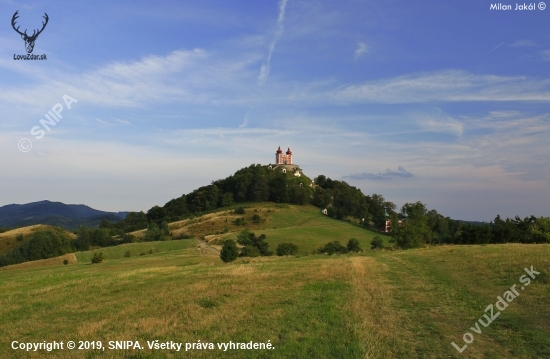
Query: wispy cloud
[(100, 120), (523, 43), (124, 122), (244, 123), (386, 175), (360, 50), (545, 55), (448, 85), (266, 66), (496, 47)]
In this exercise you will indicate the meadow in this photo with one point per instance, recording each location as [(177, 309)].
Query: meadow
[(375, 304)]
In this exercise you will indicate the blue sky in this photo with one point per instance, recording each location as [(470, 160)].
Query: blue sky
[(444, 102)]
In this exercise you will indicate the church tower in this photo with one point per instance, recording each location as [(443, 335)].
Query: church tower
[(283, 159)]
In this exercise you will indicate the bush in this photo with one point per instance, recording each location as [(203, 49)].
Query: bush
[(256, 218), (127, 254), (229, 251), (19, 237), (247, 238), (97, 258), (240, 222), (65, 261), (250, 251), (376, 242), (287, 249), (332, 248), (239, 210), (353, 245)]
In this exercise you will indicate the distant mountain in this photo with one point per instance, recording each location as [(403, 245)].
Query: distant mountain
[(68, 216)]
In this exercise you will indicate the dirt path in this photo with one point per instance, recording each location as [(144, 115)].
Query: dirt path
[(205, 249)]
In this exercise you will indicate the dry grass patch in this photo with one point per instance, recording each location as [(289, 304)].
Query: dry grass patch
[(56, 261)]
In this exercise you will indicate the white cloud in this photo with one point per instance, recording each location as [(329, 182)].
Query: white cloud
[(266, 66), (360, 50), (545, 55), (124, 122), (244, 123), (523, 43), (448, 85)]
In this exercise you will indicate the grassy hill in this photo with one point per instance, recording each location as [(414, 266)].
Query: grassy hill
[(303, 225), (9, 239), (393, 304)]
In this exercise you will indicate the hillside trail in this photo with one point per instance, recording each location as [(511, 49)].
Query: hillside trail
[(204, 248)]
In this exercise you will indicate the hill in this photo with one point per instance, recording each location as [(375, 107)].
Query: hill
[(16, 237), (280, 222), (68, 216)]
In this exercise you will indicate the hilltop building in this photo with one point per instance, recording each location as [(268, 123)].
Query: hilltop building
[(284, 162)]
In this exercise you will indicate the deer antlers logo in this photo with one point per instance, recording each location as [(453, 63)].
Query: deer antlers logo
[(29, 40)]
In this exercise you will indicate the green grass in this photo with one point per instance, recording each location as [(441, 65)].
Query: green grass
[(401, 304), (135, 249), (310, 229)]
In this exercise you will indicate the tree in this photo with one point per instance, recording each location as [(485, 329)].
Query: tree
[(353, 245), (413, 231), (539, 232), (332, 248), (287, 249), (376, 242), (247, 238), (156, 213), (229, 251)]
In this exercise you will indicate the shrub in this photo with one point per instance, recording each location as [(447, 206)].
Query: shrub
[(256, 218), (239, 210), (287, 249), (97, 258), (127, 254), (353, 245), (19, 237), (250, 251), (376, 242), (332, 248), (128, 238), (65, 261), (229, 251), (142, 253)]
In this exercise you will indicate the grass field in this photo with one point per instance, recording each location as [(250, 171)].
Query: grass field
[(303, 225), (378, 304)]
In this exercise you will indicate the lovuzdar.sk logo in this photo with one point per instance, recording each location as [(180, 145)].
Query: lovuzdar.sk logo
[(29, 40)]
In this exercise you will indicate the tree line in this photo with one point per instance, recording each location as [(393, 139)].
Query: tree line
[(415, 226)]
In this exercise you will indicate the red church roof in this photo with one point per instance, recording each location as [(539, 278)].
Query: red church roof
[(288, 152), (279, 150)]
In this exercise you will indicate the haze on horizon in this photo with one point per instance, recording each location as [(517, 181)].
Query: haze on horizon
[(441, 102)]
